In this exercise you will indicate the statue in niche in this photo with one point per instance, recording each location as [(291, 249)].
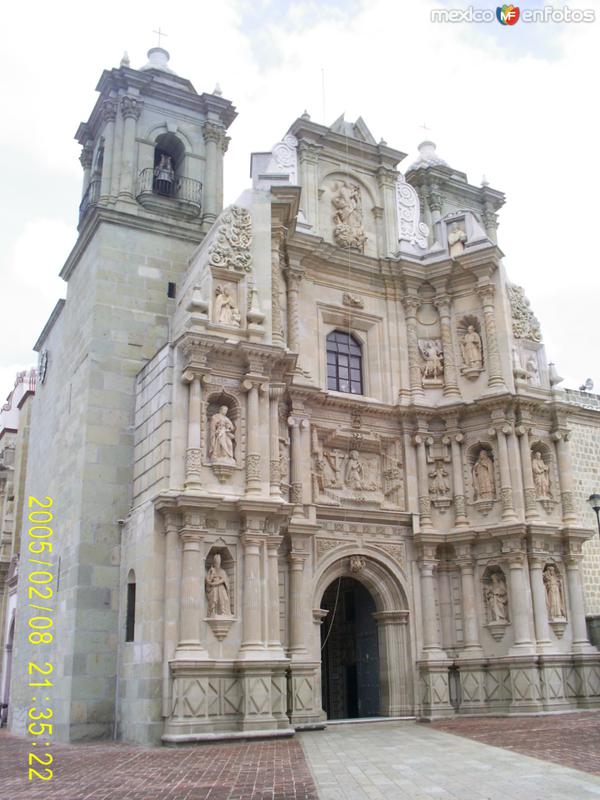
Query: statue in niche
[(456, 239), (541, 476), (496, 598), (217, 589), (222, 437), (470, 348), (439, 484), (533, 372), (555, 599), (354, 476), (226, 311), (483, 476), (348, 216), (431, 350)]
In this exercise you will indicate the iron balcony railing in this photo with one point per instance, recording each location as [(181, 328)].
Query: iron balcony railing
[(90, 198), (186, 190)]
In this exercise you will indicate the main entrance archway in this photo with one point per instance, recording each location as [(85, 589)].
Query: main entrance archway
[(366, 664), (350, 652)]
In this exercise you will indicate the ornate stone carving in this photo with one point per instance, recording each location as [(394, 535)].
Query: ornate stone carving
[(439, 488), (231, 247), (483, 477), (495, 596), (357, 563), (325, 545), (410, 227), (212, 132), (432, 354), (348, 216), (217, 589), (253, 466), (396, 551), (222, 437), (109, 110), (192, 460), (525, 323), (131, 107), (555, 597), (284, 155), (456, 239), (541, 477), (352, 300), (225, 310), (471, 350)]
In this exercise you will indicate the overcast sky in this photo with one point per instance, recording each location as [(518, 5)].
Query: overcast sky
[(518, 104)]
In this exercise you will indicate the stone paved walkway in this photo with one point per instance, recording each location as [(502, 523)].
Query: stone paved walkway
[(412, 761), (572, 740), (270, 770)]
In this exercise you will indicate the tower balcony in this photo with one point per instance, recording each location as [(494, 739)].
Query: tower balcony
[(182, 196)]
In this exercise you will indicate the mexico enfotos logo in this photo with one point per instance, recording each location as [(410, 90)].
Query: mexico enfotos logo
[(509, 15)]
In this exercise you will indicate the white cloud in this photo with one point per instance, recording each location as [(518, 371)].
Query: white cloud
[(526, 120)]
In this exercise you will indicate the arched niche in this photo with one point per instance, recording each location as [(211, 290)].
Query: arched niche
[(228, 565)]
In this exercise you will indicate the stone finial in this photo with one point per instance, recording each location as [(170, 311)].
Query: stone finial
[(125, 62), (305, 115), (217, 90)]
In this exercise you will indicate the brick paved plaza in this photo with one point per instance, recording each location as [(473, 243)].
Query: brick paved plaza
[(371, 761)]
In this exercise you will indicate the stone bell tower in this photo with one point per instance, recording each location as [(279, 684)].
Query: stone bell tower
[(152, 155)]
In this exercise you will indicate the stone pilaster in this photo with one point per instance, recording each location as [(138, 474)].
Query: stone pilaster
[(193, 455), (472, 642), (293, 279), (213, 134), (253, 466), (501, 431), (131, 108), (423, 483), (274, 636), (192, 631), (297, 497), (297, 646), (565, 475), (531, 511), (458, 483), (109, 114), (486, 293), (275, 395), (277, 238), (86, 159), (411, 304), (519, 610), (538, 597), (450, 372), (431, 637), (308, 162), (573, 559), (252, 641), (171, 604)]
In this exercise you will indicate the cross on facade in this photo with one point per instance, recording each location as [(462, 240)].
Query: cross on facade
[(424, 126), (159, 33)]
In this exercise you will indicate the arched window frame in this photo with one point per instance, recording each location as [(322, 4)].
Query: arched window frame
[(344, 363)]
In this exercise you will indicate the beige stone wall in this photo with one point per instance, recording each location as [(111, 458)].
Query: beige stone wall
[(153, 414), (585, 454)]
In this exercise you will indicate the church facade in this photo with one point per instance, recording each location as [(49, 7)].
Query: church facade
[(307, 455)]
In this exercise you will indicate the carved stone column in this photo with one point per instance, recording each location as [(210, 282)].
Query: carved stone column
[(501, 432), (253, 486), (472, 642), (251, 602), (450, 373), (294, 278), (431, 636), (275, 395), (193, 459), (519, 605), (424, 498), (213, 135), (565, 475), (411, 304), (109, 114), (531, 512), (296, 491), (460, 510), (86, 159), (297, 647), (434, 200), (576, 604), (277, 238), (445, 605), (274, 636), (538, 597), (487, 292), (171, 606), (192, 633), (131, 108), (308, 160)]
